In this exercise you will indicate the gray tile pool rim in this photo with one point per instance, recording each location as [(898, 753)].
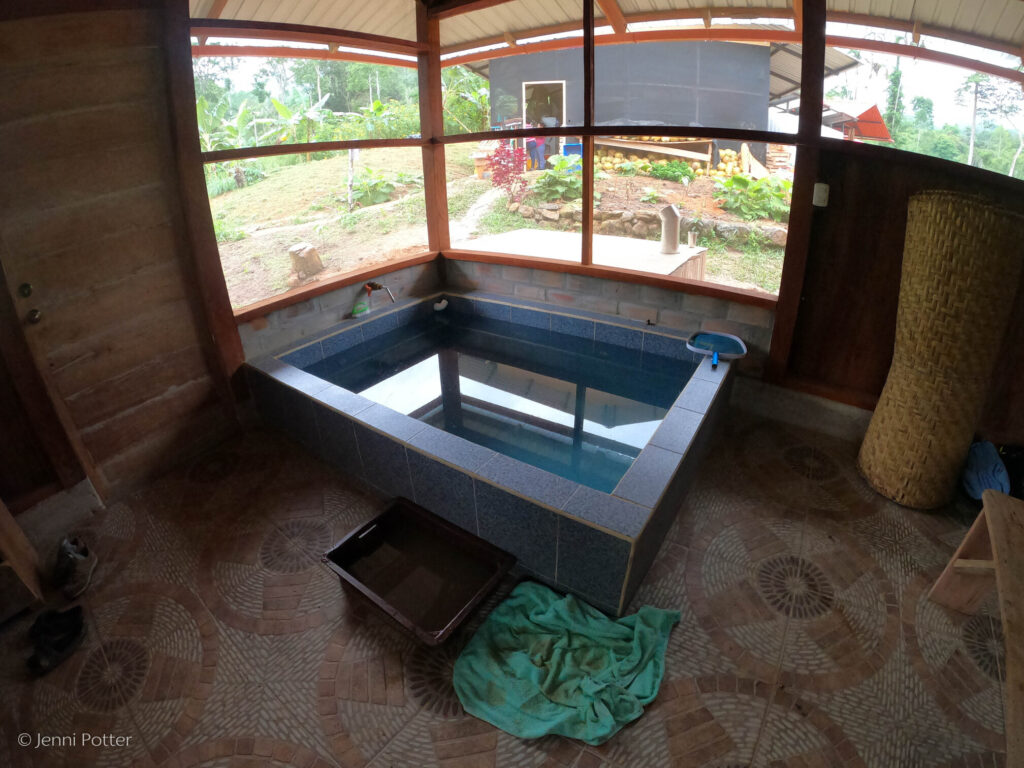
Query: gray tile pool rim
[(604, 328), (623, 514)]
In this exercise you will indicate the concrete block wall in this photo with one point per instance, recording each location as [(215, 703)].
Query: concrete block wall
[(290, 325), (644, 303)]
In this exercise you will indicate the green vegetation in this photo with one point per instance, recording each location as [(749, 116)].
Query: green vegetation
[(563, 180), (309, 100), (499, 219), (371, 187), (650, 195), (225, 231), (461, 199), (756, 262), (673, 170), (994, 140), (766, 198)]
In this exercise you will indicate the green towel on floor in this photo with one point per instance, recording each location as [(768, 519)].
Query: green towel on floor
[(542, 663)]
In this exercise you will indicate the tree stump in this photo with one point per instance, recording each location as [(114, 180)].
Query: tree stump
[(305, 260)]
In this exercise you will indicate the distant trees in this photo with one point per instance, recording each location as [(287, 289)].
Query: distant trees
[(323, 100), (993, 137), (310, 100)]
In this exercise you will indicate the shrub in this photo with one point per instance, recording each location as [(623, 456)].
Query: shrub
[(650, 195), (507, 165), (766, 198), (409, 179), (673, 170), (371, 187), (563, 179), (225, 232), (628, 168)]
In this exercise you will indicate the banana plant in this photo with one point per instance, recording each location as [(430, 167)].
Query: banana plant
[(297, 124), (218, 131)]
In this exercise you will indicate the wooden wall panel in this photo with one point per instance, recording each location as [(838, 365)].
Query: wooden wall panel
[(123, 76), (90, 215), (845, 327)]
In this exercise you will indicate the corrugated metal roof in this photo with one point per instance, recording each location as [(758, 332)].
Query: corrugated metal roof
[(1001, 21), (394, 18), (784, 82)]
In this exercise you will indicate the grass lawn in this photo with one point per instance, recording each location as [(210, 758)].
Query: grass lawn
[(307, 202)]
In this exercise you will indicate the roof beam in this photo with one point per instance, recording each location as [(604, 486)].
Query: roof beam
[(866, 20), (749, 13), (736, 35), (301, 33), (285, 52), (926, 54), (448, 8), (636, 18), (613, 15), (216, 9)]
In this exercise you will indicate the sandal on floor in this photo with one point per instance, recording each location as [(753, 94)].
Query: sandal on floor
[(55, 636)]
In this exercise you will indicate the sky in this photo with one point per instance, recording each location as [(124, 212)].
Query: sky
[(937, 82)]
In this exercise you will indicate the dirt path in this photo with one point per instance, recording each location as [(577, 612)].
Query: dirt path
[(465, 227)]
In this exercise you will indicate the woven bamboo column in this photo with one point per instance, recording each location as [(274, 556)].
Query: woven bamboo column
[(962, 262)]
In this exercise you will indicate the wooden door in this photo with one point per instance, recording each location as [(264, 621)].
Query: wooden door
[(26, 473), (37, 457)]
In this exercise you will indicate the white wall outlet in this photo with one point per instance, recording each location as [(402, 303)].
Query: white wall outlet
[(820, 198)]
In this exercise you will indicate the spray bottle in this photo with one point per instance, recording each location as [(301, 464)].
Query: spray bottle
[(362, 305)]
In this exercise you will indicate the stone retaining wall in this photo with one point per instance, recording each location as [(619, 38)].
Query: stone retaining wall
[(647, 224)]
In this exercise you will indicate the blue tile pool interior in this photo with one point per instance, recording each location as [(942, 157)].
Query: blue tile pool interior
[(562, 402), (596, 540)]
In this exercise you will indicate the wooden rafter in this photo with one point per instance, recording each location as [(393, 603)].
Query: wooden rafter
[(285, 52), (217, 9), (686, 14), (897, 25), (572, 26), (613, 15), (666, 35), (302, 33), (925, 54), (448, 8)]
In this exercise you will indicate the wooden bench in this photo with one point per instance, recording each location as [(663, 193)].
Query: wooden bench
[(992, 554)]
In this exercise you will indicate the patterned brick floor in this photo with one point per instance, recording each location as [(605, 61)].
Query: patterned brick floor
[(215, 638)]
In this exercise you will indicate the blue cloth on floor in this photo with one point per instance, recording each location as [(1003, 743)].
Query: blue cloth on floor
[(985, 470)]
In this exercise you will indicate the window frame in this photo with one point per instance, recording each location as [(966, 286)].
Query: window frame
[(810, 20)]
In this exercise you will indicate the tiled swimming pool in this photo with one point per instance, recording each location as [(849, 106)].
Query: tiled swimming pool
[(574, 409), (567, 439)]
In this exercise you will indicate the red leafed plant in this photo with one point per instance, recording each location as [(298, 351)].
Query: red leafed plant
[(507, 166)]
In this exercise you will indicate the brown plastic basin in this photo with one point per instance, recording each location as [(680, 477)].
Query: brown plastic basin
[(422, 571)]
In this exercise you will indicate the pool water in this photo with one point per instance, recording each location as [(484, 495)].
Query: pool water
[(572, 406)]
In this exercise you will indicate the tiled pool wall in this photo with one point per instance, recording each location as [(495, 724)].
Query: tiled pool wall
[(577, 539), (666, 309), (313, 317)]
